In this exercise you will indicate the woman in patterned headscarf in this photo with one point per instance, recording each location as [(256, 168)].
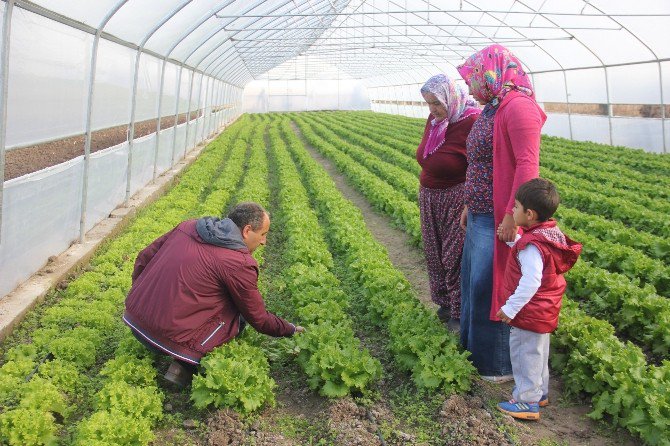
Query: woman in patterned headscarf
[(503, 152), (441, 155)]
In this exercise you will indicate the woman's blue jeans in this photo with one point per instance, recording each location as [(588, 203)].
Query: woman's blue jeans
[(487, 340)]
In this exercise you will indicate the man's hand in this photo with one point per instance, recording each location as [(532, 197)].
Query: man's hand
[(299, 329), (464, 218), (507, 230), (503, 317)]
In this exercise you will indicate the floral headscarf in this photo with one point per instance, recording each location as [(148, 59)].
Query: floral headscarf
[(455, 99), (494, 71)]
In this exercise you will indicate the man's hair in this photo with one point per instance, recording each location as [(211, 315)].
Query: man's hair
[(248, 213), (539, 195)]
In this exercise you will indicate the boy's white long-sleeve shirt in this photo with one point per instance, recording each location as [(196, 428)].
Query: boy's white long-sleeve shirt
[(531, 264)]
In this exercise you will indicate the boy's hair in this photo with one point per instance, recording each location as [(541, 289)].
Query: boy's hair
[(539, 195)]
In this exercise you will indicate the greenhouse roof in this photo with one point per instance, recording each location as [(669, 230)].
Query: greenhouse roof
[(377, 40)]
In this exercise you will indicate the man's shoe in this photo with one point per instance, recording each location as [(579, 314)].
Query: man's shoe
[(178, 374), (523, 411), (498, 379)]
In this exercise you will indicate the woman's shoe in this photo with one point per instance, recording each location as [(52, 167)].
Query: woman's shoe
[(443, 313), (454, 325), (544, 401)]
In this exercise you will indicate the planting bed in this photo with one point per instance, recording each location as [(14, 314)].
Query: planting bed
[(375, 366)]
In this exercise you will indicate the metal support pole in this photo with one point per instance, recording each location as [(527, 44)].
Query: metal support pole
[(200, 112), (158, 121), (89, 112), (222, 111), (131, 131), (204, 110), (210, 101), (188, 112), (176, 115), (4, 77), (212, 118), (660, 80), (217, 103), (567, 101), (609, 106)]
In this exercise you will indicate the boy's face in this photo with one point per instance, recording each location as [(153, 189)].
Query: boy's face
[(522, 217)]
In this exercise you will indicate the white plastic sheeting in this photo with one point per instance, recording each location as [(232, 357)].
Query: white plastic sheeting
[(81, 65), (41, 214), (42, 210)]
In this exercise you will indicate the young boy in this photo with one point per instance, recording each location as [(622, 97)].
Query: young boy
[(534, 287)]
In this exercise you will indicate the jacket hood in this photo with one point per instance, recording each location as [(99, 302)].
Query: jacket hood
[(564, 250), (220, 232)]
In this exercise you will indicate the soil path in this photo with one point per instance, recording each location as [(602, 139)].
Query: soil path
[(564, 422), (404, 256)]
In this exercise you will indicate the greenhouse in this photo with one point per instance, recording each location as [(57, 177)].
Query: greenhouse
[(125, 124)]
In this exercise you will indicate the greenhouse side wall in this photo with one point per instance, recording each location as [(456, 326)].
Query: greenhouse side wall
[(42, 210)]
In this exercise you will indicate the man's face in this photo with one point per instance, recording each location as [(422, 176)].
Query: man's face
[(253, 239)]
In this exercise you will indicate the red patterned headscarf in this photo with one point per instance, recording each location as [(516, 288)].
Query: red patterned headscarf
[(494, 71)]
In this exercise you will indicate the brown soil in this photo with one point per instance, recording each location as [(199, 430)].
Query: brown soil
[(352, 424), (226, 428), (469, 417), (22, 161)]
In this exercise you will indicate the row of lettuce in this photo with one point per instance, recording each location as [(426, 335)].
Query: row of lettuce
[(608, 280), (616, 280), (81, 378)]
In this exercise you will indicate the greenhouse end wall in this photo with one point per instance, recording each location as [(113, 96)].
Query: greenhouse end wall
[(265, 95)]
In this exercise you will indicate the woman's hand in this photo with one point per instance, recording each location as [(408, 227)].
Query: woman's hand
[(507, 230), (464, 217)]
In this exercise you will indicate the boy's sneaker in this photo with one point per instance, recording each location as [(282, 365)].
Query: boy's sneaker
[(498, 379), (544, 401), (523, 411)]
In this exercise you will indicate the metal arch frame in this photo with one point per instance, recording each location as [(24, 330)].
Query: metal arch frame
[(220, 58), (4, 80), (475, 29), (226, 50), (89, 112), (217, 46), (565, 78), (217, 61), (660, 80), (376, 58), (176, 43), (133, 105)]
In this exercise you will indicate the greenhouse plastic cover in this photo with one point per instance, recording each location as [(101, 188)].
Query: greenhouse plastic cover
[(181, 56), (42, 210), (381, 42)]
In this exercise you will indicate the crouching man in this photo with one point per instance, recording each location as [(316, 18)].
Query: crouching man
[(195, 287)]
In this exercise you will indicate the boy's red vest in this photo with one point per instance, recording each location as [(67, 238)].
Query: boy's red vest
[(559, 254)]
